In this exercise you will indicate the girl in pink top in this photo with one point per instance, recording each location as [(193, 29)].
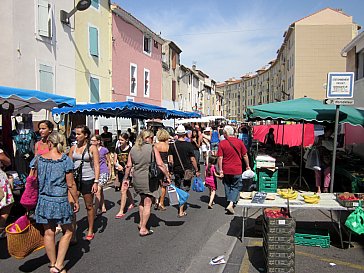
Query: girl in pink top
[(210, 178), (45, 128)]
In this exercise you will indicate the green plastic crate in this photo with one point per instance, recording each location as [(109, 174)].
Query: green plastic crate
[(312, 237)]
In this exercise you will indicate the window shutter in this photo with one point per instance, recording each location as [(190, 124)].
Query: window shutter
[(46, 78), (94, 41), (174, 90), (43, 18), (95, 4), (174, 60), (94, 90)]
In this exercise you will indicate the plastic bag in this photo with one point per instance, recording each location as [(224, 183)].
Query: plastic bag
[(313, 160), (248, 174), (355, 220), (182, 195), (198, 185)]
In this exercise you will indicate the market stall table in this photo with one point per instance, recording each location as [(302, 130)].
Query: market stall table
[(327, 202)]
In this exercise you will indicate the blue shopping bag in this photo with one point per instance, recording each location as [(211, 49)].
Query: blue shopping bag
[(182, 195), (198, 185)]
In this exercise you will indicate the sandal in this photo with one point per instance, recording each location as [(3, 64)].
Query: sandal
[(183, 215), (162, 208), (90, 237), (56, 268), (131, 206), (150, 232), (119, 215)]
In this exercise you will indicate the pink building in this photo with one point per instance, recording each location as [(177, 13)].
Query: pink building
[(136, 60)]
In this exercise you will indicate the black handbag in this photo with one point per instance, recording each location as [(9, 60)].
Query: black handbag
[(155, 173), (77, 173)]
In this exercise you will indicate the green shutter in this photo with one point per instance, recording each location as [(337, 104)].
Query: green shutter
[(94, 90), (94, 41), (46, 78), (95, 4), (43, 18)]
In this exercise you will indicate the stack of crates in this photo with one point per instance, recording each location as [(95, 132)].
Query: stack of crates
[(267, 180), (278, 243)]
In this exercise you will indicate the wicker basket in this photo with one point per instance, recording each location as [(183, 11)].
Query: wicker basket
[(23, 242)]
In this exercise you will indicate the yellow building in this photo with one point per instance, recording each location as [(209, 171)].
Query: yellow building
[(93, 53)]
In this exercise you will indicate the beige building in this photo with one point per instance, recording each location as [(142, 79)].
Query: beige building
[(170, 75), (311, 48)]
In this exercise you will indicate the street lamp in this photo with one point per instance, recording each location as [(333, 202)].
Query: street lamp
[(81, 6)]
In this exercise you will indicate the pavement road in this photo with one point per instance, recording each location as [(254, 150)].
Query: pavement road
[(179, 244)]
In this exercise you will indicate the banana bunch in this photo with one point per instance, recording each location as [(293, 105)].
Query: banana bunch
[(288, 193), (311, 199)]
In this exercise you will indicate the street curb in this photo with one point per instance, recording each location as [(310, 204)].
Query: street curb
[(218, 244)]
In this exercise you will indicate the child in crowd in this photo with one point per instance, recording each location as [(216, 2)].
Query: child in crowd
[(210, 178)]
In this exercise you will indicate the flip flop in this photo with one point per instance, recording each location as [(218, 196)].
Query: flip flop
[(119, 216), (183, 215), (90, 237), (150, 232)]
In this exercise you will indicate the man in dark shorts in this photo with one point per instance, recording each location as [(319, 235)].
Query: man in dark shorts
[(182, 152)]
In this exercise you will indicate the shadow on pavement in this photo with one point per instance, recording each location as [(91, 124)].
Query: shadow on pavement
[(154, 221)]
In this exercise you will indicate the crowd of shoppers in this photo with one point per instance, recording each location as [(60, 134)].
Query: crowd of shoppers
[(94, 158)]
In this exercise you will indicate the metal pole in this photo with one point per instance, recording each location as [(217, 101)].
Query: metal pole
[(334, 151), (301, 161)]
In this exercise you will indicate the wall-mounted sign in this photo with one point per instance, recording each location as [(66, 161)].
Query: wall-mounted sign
[(340, 85)]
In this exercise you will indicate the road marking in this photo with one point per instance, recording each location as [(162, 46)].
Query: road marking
[(338, 262)]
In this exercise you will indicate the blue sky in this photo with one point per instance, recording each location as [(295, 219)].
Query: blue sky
[(228, 38)]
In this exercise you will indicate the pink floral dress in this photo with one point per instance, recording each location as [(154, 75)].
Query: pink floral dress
[(5, 186)]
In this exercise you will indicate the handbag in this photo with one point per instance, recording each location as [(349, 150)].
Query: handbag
[(24, 237), (188, 173), (77, 173), (198, 185), (313, 160), (355, 220), (155, 173), (29, 197)]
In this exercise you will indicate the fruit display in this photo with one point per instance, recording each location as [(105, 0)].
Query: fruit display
[(288, 193), (311, 199), (276, 213), (346, 196)]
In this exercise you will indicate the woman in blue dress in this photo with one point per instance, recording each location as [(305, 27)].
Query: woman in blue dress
[(55, 178)]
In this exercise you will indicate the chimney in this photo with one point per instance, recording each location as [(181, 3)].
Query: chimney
[(193, 67)]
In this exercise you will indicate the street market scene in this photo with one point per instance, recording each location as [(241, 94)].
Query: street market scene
[(162, 136)]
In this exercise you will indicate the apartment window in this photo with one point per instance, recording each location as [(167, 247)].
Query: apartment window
[(147, 44), (44, 18), (46, 77), (95, 3), (93, 41), (133, 79), (94, 90), (360, 71), (146, 83)]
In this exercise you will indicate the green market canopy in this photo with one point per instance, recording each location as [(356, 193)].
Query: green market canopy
[(306, 109)]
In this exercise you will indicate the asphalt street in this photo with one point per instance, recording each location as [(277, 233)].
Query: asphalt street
[(183, 244)]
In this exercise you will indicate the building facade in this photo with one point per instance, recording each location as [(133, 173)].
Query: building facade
[(37, 52), (310, 49), (92, 47), (136, 60)]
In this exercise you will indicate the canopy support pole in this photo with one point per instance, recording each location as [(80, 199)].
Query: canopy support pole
[(334, 151)]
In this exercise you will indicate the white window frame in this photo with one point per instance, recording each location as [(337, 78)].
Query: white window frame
[(150, 44), (98, 41), (136, 79), (89, 84), (50, 21), (146, 94)]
